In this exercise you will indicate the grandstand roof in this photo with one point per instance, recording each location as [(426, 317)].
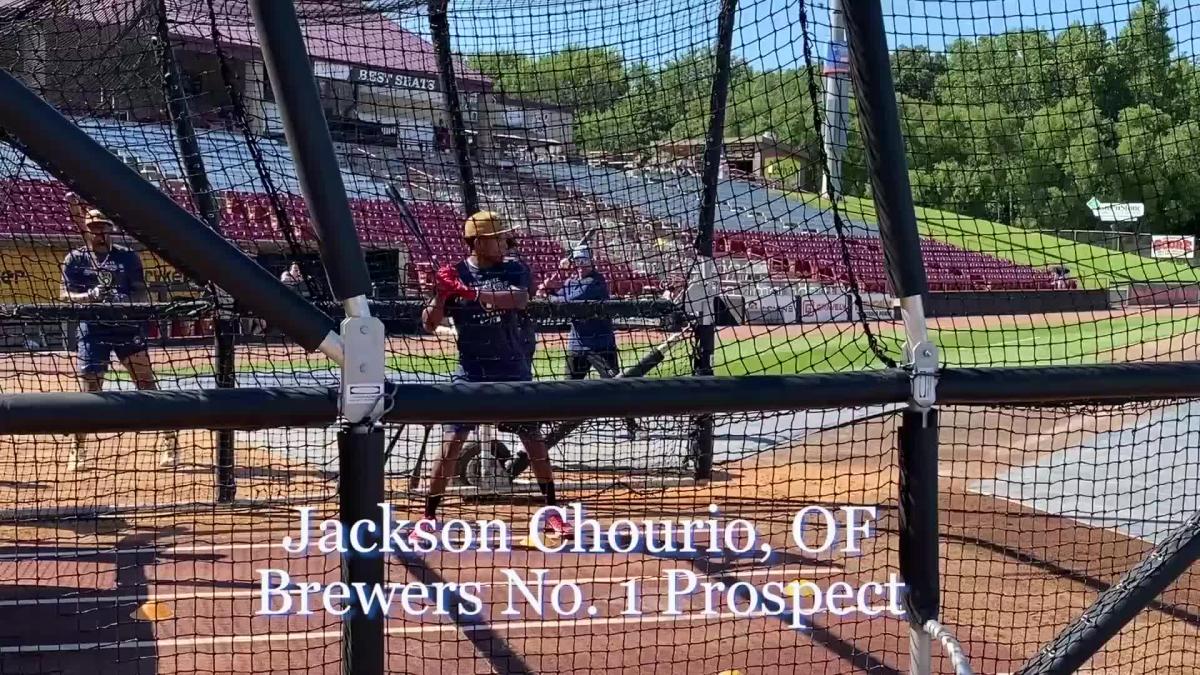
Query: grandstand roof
[(343, 31)]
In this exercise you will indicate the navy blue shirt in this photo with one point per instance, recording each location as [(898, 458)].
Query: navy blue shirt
[(492, 345), (587, 334), (528, 327), (119, 271)]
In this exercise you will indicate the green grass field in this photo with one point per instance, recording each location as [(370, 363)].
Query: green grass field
[(1079, 342), (1093, 266), (1082, 342)]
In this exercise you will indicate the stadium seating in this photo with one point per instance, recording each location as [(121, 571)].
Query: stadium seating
[(820, 258), (32, 203), (30, 206), (38, 207)]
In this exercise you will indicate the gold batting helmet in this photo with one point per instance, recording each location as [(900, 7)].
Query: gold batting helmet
[(486, 224)]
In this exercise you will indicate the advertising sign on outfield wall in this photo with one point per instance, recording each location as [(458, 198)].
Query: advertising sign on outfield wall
[(31, 274), (822, 306), (1172, 246)]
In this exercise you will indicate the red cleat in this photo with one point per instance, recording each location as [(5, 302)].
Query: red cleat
[(418, 542), (555, 524)]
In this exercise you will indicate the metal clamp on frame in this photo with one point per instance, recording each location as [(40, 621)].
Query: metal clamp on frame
[(920, 355), (922, 364), (362, 394)]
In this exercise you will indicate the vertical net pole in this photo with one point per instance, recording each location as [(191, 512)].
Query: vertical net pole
[(206, 205), (361, 439), (439, 28), (185, 133), (917, 456), (879, 120), (225, 330), (307, 131), (714, 142), (361, 492)]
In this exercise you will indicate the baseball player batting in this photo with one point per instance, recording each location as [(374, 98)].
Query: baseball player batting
[(484, 294)]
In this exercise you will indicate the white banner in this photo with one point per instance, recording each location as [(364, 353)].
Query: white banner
[(1172, 246), (381, 78), (1116, 212), (331, 71)]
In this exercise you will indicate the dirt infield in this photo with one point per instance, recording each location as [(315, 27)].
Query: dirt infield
[(1011, 577), (71, 588), (34, 475)]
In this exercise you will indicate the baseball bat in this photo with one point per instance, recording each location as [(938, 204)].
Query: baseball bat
[(410, 222), (387, 454), (647, 363), (587, 236)]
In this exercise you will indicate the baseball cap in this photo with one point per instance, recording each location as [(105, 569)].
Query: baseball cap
[(97, 216), (581, 253), (486, 224)]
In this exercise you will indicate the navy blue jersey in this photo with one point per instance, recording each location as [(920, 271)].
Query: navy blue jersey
[(587, 334), (493, 345), (528, 327), (119, 272)]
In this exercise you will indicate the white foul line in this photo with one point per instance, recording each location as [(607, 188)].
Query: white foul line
[(1017, 343), (232, 595), (497, 627), (52, 554)]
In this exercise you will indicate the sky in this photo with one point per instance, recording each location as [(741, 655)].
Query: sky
[(768, 32)]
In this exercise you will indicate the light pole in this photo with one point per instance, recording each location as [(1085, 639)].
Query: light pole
[(836, 72)]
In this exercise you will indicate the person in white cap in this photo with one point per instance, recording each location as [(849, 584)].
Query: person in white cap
[(592, 343), (103, 272), (591, 340)]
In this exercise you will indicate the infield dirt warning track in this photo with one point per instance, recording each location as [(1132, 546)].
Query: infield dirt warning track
[(177, 591), (194, 607)]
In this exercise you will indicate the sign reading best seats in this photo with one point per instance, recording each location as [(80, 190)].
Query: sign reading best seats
[(377, 78), (380, 78)]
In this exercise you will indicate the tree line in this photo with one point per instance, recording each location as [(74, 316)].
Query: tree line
[(1022, 127)]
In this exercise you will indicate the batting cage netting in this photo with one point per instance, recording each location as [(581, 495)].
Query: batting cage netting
[(826, 208)]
